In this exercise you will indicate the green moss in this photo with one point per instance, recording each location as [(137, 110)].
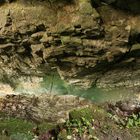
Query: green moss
[(62, 135), (86, 113), (4, 138), (13, 125), (81, 122), (19, 128), (85, 8), (65, 39)]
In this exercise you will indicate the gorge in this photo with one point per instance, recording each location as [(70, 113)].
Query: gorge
[(85, 48), (90, 44)]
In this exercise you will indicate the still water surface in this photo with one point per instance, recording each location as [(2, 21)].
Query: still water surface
[(52, 84)]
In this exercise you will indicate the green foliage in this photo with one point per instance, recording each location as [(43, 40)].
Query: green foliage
[(81, 124), (19, 129), (4, 137), (77, 128), (14, 125), (133, 121), (127, 122), (22, 136)]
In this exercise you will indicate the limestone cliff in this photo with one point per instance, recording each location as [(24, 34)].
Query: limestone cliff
[(89, 42)]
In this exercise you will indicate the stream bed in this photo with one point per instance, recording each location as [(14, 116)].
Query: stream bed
[(52, 84)]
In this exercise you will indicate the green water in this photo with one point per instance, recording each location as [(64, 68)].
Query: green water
[(53, 84)]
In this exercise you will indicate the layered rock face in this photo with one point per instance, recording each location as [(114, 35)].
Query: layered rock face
[(89, 42)]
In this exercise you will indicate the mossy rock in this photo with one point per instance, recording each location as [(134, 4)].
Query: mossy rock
[(17, 127), (62, 135), (4, 137), (85, 7), (86, 113)]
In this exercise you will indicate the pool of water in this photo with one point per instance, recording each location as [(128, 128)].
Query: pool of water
[(52, 84)]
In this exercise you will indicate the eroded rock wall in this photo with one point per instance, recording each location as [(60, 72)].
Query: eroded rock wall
[(90, 43)]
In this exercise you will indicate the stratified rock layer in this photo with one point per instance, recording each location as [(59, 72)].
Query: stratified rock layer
[(89, 43)]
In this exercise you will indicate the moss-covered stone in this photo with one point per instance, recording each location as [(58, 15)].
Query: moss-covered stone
[(16, 127), (62, 135), (4, 137), (85, 8), (65, 39), (76, 40), (86, 113)]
